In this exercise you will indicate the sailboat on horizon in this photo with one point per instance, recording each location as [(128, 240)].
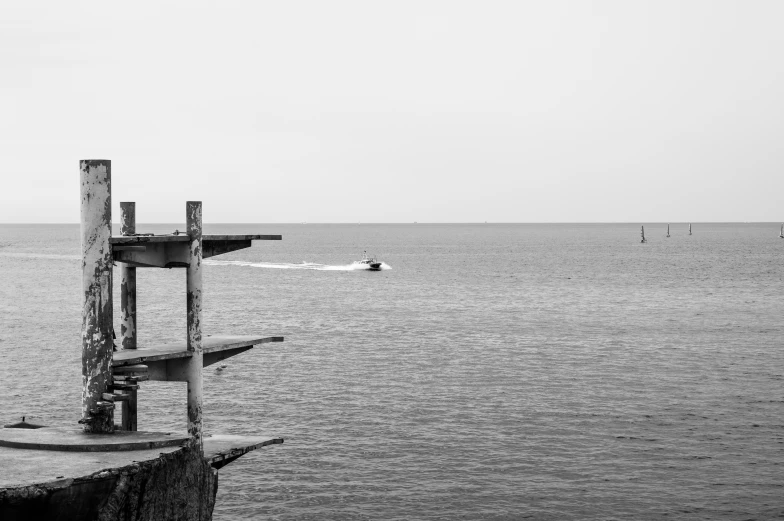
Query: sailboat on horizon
[(642, 233)]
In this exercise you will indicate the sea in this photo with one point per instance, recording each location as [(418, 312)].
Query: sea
[(488, 372)]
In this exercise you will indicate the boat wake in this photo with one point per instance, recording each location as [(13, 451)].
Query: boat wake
[(291, 266)]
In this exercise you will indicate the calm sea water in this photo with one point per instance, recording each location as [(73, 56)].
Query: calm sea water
[(494, 372)]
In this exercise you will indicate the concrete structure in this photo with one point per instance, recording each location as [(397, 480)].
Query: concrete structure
[(194, 364), (98, 472), (128, 310), (97, 328)]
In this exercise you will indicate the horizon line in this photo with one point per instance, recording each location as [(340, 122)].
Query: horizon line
[(358, 223)]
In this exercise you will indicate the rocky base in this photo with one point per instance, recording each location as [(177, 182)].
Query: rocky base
[(180, 485)]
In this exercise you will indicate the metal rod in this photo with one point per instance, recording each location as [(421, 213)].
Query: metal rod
[(128, 329), (97, 343), (194, 342)]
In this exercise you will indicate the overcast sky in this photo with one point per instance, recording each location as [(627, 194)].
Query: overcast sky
[(331, 111)]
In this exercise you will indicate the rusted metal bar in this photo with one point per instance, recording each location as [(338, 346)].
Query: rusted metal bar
[(128, 329), (97, 345), (193, 227)]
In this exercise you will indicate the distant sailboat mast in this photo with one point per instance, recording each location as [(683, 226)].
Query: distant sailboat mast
[(642, 232), (668, 229)]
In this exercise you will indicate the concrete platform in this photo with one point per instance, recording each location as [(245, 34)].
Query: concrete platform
[(172, 251), (24, 467), (222, 449), (216, 348), (183, 237), (73, 439)]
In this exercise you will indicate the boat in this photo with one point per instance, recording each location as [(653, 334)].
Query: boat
[(370, 262), (668, 229), (642, 232)]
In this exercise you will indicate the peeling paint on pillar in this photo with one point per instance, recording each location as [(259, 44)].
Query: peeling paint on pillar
[(96, 229), (128, 326), (128, 282), (193, 228)]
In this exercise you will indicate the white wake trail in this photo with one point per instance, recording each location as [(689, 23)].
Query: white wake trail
[(291, 266)]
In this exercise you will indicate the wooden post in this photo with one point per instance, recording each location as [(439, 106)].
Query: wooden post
[(97, 344), (128, 310), (193, 228)]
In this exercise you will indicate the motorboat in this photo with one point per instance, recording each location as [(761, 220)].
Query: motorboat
[(368, 262)]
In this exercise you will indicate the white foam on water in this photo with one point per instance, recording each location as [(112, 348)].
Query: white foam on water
[(304, 265)]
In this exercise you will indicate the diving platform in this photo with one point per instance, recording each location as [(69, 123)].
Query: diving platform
[(180, 361), (113, 471), (214, 348), (222, 449), (173, 250)]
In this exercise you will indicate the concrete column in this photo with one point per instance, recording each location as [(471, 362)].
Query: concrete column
[(128, 310), (128, 282), (96, 229), (194, 368)]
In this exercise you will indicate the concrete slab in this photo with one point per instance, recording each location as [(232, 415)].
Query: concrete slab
[(172, 251), (71, 439), (210, 344), (24, 467), (182, 237), (222, 449)]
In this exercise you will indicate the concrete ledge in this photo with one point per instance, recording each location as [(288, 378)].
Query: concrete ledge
[(26, 467), (76, 440), (222, 449), (212, 345)]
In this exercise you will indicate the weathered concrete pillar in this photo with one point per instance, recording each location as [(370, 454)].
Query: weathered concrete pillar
[(96, 229), (128, 310), (195, 364), (128, 281)]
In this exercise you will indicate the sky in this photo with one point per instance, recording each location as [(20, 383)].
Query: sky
[(428, 111)]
